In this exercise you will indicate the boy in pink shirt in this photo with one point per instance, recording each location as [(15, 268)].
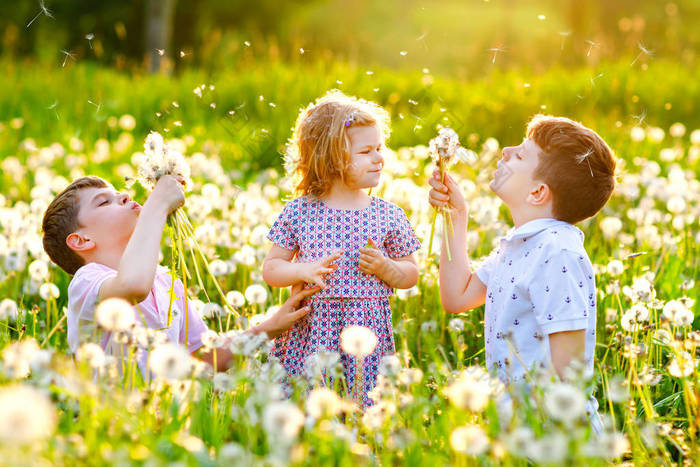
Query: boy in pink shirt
[(111, 244)]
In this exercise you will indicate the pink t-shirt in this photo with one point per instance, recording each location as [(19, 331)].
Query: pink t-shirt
[(82, 301)]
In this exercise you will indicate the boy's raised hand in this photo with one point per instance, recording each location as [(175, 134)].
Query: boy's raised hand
[(169, 192), (447, 194), (312, 273)]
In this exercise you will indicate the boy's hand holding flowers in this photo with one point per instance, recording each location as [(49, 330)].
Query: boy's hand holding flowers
[(447, 194)]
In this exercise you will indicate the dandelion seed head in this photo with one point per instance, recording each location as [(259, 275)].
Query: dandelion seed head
[(28, 415), (358, 341)]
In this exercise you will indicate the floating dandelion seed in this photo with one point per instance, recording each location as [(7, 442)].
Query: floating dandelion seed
[(642, 51), (584, 157), (161, 52), (564, 35), (495, 51), (369, 73), (411, 101), (640, 118), (182, 54), (541, 17), (403, 53), (53, 107), (591, 44), (42, 10), (375, 89), (301, 50), (68, 54), (89, 38), (595, 78), (246, 43)]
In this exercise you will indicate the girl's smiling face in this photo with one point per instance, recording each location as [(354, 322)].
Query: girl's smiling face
[(366, 160)]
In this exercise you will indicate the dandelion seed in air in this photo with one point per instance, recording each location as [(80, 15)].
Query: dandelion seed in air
[(584, 157), (182, 54), (593, 78), (53, 107), (403, 53), (213, 105), (42, 10), (161, 52), (246, 43), (495, 51), (642, 51), (68, 55), (412, 102), (541, 17), (89, 38), (564, 35), (99, 106), (375, 89), (591, 44), (177, 123), (301, 50), (640, 118)]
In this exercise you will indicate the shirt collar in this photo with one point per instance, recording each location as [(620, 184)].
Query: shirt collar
[(533, 227)]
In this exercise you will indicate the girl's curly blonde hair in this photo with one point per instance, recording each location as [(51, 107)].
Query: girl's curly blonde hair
[(319, 151)]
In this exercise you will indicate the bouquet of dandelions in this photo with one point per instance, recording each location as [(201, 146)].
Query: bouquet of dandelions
[(160, 159), (445, 150)]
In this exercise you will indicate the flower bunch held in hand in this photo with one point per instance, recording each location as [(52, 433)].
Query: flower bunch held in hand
[(445, 150), (160, 159)]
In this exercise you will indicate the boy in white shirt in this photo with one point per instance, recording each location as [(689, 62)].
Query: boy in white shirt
[(538, 284)]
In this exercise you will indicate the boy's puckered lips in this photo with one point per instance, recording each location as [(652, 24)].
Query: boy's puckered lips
[(135, 205)]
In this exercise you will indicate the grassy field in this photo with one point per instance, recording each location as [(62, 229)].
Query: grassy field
[(59, 123)]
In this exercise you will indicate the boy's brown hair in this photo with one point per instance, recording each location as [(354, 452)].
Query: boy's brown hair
[(318, 151), (576, 164), (61, 219)]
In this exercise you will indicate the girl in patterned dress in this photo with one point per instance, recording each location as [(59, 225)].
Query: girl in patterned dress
[(355, 247)]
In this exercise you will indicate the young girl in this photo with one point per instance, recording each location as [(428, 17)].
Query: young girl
[(357, 248)]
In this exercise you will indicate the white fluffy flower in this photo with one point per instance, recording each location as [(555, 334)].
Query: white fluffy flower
[(92, 354), (323, 402), (615, 267), (8, 310), (282, 421), (49, 291), (256, 294), (469, 439), (564, 402), (677, 313), (359, 341), (115, 314), (389, 366), (235, 299), (170, 361), (28, 415), (446, 145), (18, 356), (471, 389)]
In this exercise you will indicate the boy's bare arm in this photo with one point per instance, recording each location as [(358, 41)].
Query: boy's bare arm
[(289, 313), (566, 347), (460, 288), (279, 271), (137, 267)]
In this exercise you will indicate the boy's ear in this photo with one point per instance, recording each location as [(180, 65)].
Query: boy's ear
[(78, 242), (539, 195)]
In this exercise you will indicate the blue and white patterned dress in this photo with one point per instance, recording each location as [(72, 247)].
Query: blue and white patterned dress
[(313, 230)]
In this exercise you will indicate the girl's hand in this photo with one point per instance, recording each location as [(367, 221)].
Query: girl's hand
[(372, 261), (312, 273), (447, 194)]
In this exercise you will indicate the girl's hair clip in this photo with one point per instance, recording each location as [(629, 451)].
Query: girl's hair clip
[(350, 119)]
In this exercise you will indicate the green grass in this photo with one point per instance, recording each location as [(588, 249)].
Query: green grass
[(98, 422)]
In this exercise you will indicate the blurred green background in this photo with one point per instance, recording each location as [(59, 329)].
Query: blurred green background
[(72, 68)]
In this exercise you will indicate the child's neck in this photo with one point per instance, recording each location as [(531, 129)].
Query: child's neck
[(342, 196), (109, 257), (527, 214)]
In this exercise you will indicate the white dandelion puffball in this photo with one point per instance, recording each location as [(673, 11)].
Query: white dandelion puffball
[(282, 420), (115, 314), (170, 361), (323, 402), (677, 313), (28, 415), (235, 299), (256, 294), (9, 310), (160, 159), (470, 440), (445, 146), (359, 341), (564, 402), (49, 291), (92, 354)]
